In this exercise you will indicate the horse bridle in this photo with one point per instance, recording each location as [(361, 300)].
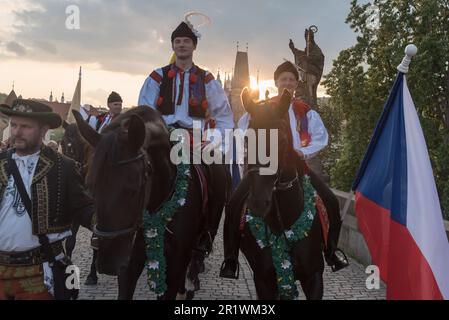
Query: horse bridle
[(278, 186), (142, 156)]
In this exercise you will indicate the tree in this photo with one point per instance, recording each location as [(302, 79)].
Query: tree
[(362, 76)]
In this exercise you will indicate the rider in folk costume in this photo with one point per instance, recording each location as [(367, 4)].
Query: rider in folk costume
[(308, 131), (41, 193), (183, 92), (309, 137), (115, 108)]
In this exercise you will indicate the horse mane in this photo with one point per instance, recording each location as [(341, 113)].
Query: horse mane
[(147, 114), (106, 150), (289, 159), (103, 158)]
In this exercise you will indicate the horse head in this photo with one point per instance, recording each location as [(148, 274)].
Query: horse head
[(75, 146), (120, 180), (269, 115)]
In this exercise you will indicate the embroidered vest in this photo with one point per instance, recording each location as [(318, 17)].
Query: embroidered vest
[(300, 109), (198, 79), (100, 119)]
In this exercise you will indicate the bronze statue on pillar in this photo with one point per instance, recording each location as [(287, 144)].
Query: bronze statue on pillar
[(310, 64)]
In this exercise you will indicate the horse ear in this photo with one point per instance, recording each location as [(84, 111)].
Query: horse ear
[(284, 103), (91, 136), (136, 132), (247, 102)]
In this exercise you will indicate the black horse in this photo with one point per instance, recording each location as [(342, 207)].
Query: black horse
[(76, 147), (279, 199), (132, 171)]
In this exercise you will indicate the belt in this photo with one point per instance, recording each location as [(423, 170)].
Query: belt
[(30, 257)]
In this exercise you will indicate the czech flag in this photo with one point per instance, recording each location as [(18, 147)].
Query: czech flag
[(397, 205)]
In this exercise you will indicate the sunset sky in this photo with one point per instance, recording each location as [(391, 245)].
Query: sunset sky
[(120, 42)]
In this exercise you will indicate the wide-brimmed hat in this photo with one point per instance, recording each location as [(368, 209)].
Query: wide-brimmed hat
[(32, 109)]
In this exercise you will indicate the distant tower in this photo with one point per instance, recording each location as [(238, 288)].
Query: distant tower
[(62, 98), (256, 92), (11, 97), (51, 96), (240, 80), (219, 78), (227, 85)]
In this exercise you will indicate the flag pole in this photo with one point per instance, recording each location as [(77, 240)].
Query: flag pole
[(410, 52)]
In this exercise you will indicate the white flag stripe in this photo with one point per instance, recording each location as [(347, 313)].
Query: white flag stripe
[(424, 216)]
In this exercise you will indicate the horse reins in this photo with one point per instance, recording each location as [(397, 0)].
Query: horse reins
[(142, 156)]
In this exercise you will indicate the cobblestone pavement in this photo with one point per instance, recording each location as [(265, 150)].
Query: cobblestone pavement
[(345, 284)]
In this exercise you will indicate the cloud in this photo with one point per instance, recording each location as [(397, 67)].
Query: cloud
[(96, 97), (134, 36), (16, 48)]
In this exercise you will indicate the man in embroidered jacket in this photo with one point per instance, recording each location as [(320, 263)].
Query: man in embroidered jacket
[(57, 194), (177, 90), (183, 92)]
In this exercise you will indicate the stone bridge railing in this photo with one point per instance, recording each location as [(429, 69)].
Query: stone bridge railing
[(351, 240)]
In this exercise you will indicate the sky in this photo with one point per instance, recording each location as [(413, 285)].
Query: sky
[(119, 42)]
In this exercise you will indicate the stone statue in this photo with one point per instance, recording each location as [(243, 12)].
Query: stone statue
[(310, 63)]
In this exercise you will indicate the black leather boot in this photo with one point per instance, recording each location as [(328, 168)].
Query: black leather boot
[(230, 269), (336, 261)]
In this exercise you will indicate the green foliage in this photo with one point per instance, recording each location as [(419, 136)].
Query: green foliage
[(362, 76)]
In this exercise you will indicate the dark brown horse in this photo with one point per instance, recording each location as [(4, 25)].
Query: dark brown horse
[(76, 147), (132, 171), (279, 199)]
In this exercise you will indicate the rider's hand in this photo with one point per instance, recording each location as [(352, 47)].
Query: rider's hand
[(94, 111), (300, 154)]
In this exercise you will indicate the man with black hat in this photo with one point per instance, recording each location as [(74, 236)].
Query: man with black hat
[(115, 108), (309, 138), (41, 192), (183, 92)]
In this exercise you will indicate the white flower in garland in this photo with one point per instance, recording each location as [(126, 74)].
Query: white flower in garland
[(286, 264), (286, 287), (260, 243), (153, 265), (248, 218), (182, 202), (309, 215), (152, 285), (289, 234), (187, 173), (152, 233)]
